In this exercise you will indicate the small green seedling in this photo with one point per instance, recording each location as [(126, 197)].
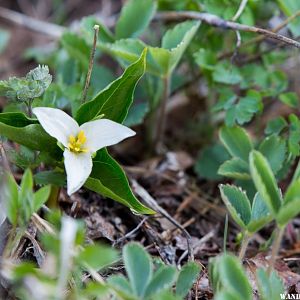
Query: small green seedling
[(146, 283)]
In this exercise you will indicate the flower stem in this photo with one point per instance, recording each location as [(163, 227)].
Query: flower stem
[(29, 107), (161, 120), (275, 249), (91, 63), (245, 242)]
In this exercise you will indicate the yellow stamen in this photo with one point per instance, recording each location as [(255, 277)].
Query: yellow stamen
[(76, 143)]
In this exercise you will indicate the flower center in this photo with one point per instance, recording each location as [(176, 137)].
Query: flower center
[(76, 144)]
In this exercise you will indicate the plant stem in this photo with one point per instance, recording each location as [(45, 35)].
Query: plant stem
[(161, 120), (29, 107), (91, 63), (245, 242), (275, 249), (225, 233)]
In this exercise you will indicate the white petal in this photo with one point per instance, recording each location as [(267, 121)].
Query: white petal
[(57, 123), (78, 168), (102, 133)]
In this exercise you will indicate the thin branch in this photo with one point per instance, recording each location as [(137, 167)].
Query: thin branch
[(258, 39), (240, 10), (130, 233), (276, 29), (221, 23), (275, 248), (199, 243), (49, 29), (91, 63), (153, 204)]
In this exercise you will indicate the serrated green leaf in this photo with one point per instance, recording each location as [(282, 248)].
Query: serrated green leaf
[(76, 47), (273, 148), (209, 161), (265, 181), (126, 51), (177, 39), (108, 179), (294, 135), (187, 277), (234, 278), (114, 101), (163, 279), (260, 215), (237, 142), (275, 126), (237, 203), (248, 106), (141, 11), (87, 24), (138, 266), (205, 59), (226, 73), (160, 61), (291, 99), (235, 168)]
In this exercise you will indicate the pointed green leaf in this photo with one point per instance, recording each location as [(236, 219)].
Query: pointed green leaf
[(187, 277), (237, 203), (138, 266), (40, 197), (108, 179), (135, 17), (26, 205), (50, 177), (235, 168), (114, 101), (274, 148), (11, 198), (163, 279), (265, 181), (121, 286), (269, 286), (260, 214), (177, 39), (237, 142), (291, 204), (209, 160), (97, 257), (160, 61), (233, 277)]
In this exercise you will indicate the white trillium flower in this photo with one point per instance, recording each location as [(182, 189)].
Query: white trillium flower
[(80, 142)]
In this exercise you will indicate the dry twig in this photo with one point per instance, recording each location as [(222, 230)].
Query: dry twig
[(221, 23), (50, 29)]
